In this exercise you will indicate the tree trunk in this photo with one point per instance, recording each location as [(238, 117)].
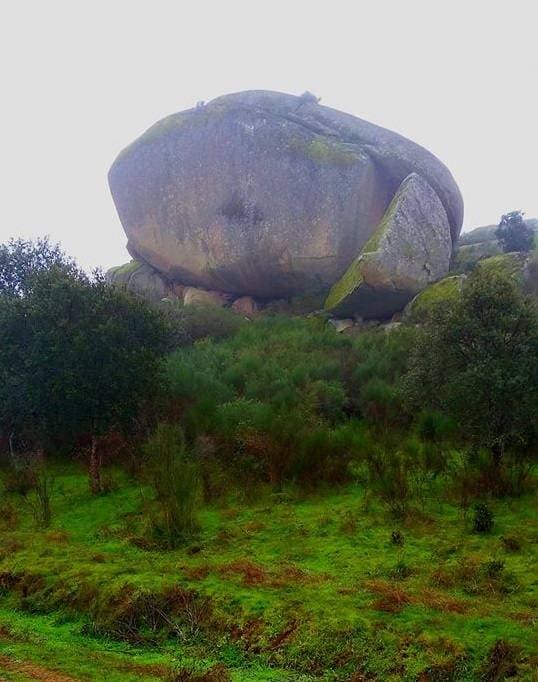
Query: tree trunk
[(96, 485)]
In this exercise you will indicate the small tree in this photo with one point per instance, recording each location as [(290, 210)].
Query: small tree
[(78, 358), (174, 477), (22, 260), (514, 234), (477, 361)]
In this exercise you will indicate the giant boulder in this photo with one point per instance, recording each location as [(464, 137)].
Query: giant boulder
[(265, 194)]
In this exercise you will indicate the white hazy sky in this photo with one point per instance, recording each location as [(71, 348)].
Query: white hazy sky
[(81, 79)]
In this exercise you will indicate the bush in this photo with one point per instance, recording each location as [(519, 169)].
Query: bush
[(397, 538), (493, 568), (174, 477), (483, 518), (390, 475), (401, 571), (191, 323), (475, 361), (40, 500)]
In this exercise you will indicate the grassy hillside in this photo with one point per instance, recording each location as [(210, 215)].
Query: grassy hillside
[(186, 495), (283, 586)]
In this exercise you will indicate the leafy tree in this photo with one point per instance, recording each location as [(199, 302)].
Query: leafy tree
[(477, 361), (22, 260), (514, 234), (78, 358)]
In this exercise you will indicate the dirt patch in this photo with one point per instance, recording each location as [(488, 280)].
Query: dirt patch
[(32, 671), (218, 673), (394, 599), (251, 573)]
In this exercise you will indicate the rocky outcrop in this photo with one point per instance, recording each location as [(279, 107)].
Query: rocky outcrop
[(140, 278), (476, 245), (201, 297), (521, 267), (246, 306), (486, 233), (265, 194), (410, 249), (441, 293)]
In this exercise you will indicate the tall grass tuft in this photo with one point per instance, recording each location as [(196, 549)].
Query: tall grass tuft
[(174, 478)]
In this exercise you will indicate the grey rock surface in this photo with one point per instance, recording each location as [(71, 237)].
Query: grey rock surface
[(246, 306), (194, 296), (410, 249), (140, 278), (264, 194)]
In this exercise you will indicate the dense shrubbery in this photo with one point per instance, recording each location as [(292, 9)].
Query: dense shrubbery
[(477, 362), (78, 359), (446, 408)]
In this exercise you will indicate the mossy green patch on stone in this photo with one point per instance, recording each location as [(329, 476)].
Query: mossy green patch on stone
[(125, 269), (323, 150), (373, 243), (445, 290), (510, 264), (352, 278), (346, 285)]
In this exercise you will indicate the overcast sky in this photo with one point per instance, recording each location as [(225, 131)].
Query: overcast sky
[(81, 79)]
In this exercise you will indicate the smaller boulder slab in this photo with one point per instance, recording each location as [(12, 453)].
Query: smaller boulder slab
[(201, 297), (341, 325), (444, 292), (410, 249), (246, 306), (140, 278)]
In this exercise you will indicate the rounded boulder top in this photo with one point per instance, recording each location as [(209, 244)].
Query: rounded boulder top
[(263, 193)]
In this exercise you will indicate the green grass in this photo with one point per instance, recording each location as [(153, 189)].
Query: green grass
[(295, 586)]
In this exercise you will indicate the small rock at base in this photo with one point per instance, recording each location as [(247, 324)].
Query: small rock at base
[(194, 296), (246, 306), (341, 325)]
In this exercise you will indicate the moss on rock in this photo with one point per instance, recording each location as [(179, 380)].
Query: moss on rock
[(320, 149), (346, 285), (353, 278), (124, 270), (444, 291), (511, 264)]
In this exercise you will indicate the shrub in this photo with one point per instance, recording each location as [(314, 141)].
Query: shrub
[(191, 323), (483, 518), (389, 476), (174, 477), (475, 362), (40, 500), (511, 544), (397, 538), (494, 568), (401, 571)]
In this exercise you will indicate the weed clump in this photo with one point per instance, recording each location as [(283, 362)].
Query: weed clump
[(397, 538), (174, 478), (483, 518)]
